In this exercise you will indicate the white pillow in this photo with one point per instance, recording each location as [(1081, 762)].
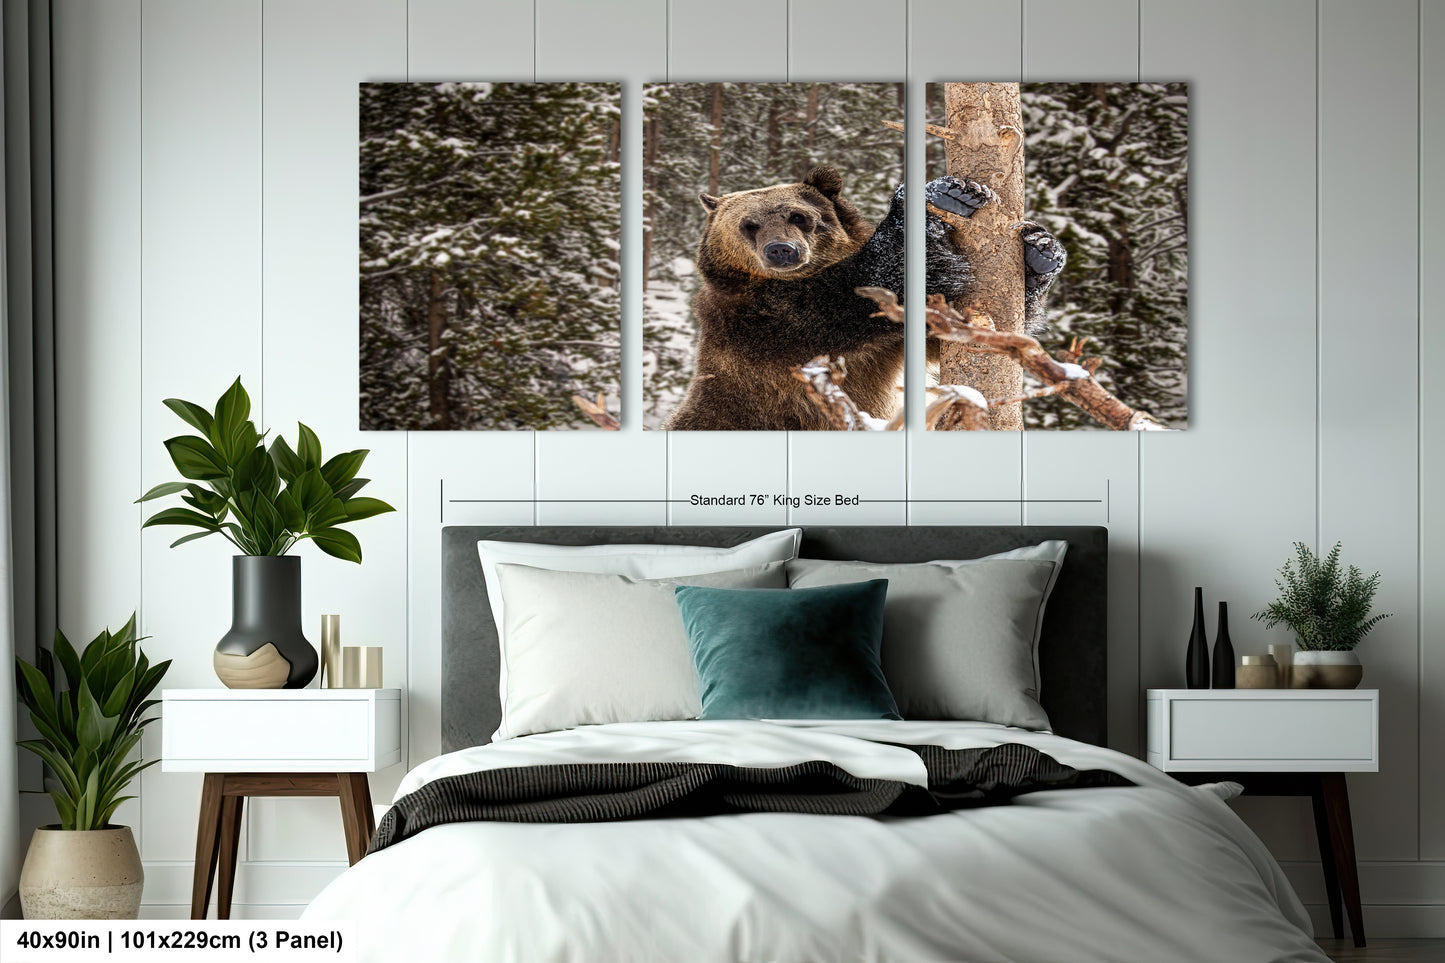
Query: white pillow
[(586, 648), (1053, 551), (634, 561)]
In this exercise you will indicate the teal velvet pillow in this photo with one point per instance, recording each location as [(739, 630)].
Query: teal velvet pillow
[(809, 653)]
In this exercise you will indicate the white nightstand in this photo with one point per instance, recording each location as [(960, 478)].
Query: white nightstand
[(1278, 742), (275, 742)]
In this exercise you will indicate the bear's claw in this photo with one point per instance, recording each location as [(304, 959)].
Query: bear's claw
[(961, 197), (1043, 254)]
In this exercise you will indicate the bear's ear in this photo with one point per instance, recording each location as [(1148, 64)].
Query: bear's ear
[(709, 202), (826, 181)]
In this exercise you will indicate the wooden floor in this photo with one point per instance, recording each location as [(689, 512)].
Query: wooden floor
[(1386, 951)]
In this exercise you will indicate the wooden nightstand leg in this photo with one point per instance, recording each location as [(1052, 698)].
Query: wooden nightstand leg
[(231, 809), (206, 844), (356, 815), (1327, 860), (1342, 841)]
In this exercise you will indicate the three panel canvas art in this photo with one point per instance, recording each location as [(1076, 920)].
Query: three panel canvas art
[(774, 256)]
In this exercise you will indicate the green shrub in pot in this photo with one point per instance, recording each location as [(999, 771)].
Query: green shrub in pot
[(1328, 607), (85, 868)]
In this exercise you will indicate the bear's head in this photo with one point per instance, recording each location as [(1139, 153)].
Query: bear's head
[(784, 231)]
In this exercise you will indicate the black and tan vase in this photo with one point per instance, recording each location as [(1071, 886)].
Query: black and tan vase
[(265, 648)]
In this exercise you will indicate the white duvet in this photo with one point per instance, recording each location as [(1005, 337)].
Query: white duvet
[(1156, 873)]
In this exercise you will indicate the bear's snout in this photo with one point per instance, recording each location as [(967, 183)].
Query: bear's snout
[(781, 253)]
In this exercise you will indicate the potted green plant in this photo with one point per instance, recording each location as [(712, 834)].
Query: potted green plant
[(85, 868), (264, 501), (1328, 607)]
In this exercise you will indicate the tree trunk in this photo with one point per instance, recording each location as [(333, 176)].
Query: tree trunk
[(987, 146), (714, 169), (649, 183), (438, 365)]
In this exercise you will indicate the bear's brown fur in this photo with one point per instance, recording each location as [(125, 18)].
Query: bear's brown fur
[(759, 313)]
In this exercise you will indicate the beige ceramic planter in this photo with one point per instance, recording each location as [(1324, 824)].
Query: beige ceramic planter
[(1326, 670), (90, 875)]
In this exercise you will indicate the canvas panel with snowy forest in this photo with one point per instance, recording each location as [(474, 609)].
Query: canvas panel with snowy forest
[(1106, 171), (719, 139), (490, 220)]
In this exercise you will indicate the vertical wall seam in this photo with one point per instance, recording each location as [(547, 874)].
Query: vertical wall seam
[(249, 811), (667, 437), (406, 552), (1419, 425), (1022, 438), (140, 346), (536, 455), (911, 359), (1319, 295), (1140, 705), (261, 388), (1023, 46)]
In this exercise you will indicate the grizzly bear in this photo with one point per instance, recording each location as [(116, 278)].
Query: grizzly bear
[(779, 268)]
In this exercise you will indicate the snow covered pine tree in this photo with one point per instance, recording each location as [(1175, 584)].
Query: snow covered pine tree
[(490, 217)]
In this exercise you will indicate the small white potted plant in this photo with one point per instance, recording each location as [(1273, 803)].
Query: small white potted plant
[(84, 867), (1328, 607)]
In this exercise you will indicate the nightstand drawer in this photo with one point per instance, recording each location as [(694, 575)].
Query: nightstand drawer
[(1264, 730), (267, 730), (306, 730), (1329, 731)]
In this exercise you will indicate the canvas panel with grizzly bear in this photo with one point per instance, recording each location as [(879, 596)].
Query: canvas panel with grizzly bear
[(767, 206), (1055, 247), (1097, 231), (490, 226)]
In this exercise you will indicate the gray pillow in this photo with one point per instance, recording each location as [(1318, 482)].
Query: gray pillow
[(958, 637), (582, 648)]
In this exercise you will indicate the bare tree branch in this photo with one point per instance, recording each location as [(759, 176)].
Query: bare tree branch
[(1072, 381), (820, 379), (597, 411)]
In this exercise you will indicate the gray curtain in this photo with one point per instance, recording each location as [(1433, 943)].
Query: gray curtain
[(27, 401)]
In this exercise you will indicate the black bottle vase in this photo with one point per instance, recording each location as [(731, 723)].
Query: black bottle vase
[(1196, 659), (265, 648), (1223, 651)]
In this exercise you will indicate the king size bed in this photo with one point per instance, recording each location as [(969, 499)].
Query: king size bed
[(584, 810)]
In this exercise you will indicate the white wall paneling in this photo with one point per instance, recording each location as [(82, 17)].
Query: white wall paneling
[(494, 470), (206, 227), (1432, 436), (1064, 469), (707, 47), (97, 109), (1213, 505), (315, 53), (704, 47), (96, 105), (738, 463), (957, 479), (1369, 455), (200, 195), (445, 40)]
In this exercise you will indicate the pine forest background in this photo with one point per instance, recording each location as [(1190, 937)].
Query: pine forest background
[(1106, 169), (490, 219), (721, 138)]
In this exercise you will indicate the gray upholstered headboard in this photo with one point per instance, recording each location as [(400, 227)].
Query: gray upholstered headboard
[(1072, 649)]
